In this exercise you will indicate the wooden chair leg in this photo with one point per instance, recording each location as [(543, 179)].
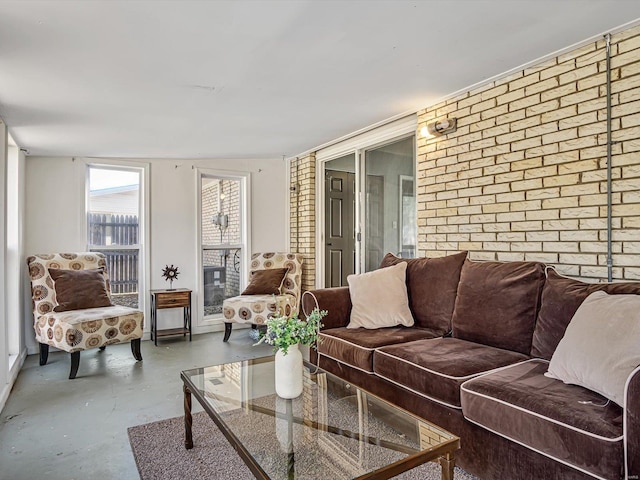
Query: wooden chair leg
[(75, 363), (44, 353), (135, 349), (227, 330)]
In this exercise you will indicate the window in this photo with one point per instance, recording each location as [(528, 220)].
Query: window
[(114, 227), (222, 239)]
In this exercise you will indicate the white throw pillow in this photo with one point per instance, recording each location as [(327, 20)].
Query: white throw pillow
[(601, 346), (379, 298)]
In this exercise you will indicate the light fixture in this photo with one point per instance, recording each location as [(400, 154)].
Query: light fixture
[(221, 220), (440, 127)]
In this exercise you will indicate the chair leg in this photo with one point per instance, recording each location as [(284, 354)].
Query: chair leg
[(227, 330), (75, 363), (44, 353), (135, 349)]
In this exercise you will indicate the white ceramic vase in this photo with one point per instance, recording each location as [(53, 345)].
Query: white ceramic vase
[(289, 372)]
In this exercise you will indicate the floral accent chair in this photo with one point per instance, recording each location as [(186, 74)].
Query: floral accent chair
[(74, 330), (256, 309)]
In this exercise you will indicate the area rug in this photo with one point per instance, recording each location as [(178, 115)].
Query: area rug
[(158, 449)]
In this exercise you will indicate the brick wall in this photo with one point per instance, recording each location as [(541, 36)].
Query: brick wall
[(524, 176), (211, 233), (302, 212)]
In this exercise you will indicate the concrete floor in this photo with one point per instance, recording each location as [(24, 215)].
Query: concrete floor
[(56, 428)]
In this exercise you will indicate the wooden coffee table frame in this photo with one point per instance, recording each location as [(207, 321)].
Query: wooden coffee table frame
[(444, 453)]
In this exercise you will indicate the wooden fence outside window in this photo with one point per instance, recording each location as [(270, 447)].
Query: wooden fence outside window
[(122, 264)]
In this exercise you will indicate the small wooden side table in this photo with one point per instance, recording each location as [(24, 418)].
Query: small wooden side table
[(178, 297)]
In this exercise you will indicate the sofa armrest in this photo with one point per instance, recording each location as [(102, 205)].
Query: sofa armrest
[(336, 301), (633, 426)]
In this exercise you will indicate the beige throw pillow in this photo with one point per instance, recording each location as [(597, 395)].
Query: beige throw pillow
[(599, 349), (379, 298)]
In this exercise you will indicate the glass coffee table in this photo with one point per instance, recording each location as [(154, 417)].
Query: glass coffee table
[(333, 430)]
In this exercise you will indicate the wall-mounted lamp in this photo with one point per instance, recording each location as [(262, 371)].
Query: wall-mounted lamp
[(440, 127), (221, 220)]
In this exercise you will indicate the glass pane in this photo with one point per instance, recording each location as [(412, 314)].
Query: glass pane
[(221, 211), (221, 274), (114, 201), (390, 222), (113, 220), (122, 266), (340, 218)]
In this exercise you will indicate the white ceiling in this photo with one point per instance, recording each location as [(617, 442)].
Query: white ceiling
[(245, 79)]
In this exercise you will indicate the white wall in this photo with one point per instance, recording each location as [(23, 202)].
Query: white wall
[(55, 216)]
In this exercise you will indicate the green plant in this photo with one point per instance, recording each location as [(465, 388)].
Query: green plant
[(283, 332)]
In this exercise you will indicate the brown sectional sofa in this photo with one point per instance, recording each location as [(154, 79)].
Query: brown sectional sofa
[(474, 363)]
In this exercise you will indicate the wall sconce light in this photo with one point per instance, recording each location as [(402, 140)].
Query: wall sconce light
[(440, 127), (221, 220)]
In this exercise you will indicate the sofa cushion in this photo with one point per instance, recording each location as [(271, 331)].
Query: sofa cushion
[(437, 367), (599, 350), (497, 303), (561, 297), (566, 422), (355, 347), (379, 298), (432, 284)]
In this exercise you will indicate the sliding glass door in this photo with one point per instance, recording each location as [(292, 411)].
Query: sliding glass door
[(340, 219), (369, 209)]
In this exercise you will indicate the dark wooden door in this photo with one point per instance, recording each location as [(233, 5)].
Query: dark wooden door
[(374, 224), (340, 245)]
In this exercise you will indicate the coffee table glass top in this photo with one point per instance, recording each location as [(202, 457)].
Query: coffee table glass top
[(334, 430)]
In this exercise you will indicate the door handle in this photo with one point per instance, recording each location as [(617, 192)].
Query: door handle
[(329, 244)]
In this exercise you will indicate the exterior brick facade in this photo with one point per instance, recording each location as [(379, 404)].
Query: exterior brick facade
[(524, 175), (302, 216)]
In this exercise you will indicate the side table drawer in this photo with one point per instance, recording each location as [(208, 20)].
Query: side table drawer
[(171, 300)]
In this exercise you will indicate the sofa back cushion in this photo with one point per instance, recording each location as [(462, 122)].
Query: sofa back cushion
[(497, 303), (431, 285), (561, 297)]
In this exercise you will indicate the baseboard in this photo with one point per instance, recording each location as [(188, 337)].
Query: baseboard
[(13, 374)]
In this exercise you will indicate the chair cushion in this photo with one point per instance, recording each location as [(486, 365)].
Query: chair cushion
[(292, 283), (432, 284), (257, 309), (77, 330), (355, 347), (561, 297), (265, 282), (43, 292), (78, 289), (379, 298), (565, 422), (497, 303), (437, 367)]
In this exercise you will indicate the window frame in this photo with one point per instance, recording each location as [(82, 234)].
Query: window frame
[(143, 223), (244, 178)]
